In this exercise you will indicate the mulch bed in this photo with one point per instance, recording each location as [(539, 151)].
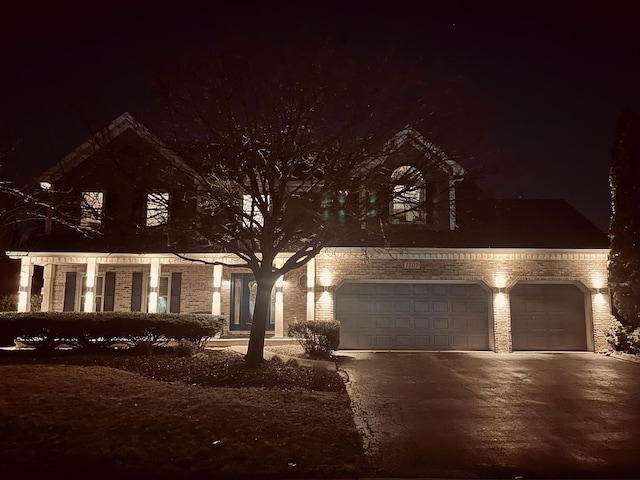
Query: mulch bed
[(211, 368)]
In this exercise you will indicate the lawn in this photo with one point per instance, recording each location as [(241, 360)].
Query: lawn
[(159, 416)]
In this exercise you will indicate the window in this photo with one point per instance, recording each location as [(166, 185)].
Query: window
[(251, 210), (409, 195), (91, 208), (157, 208), (164, 290), (98, 293)]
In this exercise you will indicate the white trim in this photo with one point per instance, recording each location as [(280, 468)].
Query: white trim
[(24, 286), (278, 330), (154, 283), (427, 253), (310, 289), (48, 275)]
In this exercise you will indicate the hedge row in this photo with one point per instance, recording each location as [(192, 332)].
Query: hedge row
[(46, 330)]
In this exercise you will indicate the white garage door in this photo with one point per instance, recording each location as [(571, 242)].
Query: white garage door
[(413, 316)]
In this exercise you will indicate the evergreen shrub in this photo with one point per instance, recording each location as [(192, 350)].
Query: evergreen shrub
[(318, 338)]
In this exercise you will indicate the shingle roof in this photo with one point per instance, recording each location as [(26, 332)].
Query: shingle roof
[(510, 223)]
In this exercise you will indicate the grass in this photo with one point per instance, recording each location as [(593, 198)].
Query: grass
[(157, 416)]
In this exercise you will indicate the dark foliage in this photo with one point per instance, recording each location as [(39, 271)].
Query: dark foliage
[(210, 368), (318, 338), (47, 330), (624, 230)]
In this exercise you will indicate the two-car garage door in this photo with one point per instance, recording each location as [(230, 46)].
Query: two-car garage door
[(412, 316)]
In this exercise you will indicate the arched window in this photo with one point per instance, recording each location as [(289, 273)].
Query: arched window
[(408, 195)]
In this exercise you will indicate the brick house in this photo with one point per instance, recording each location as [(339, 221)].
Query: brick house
[(472, 273)]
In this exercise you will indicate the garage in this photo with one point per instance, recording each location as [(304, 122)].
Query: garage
[(548, 317), (412, 316)]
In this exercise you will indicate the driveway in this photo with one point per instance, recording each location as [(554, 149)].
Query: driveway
[(492, 415)]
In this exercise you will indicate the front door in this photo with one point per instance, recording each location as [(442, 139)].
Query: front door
[(243, 301)]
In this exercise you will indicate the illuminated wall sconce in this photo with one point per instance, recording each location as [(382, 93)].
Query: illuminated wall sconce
[(153, 289), (501, 289), (325, 280)]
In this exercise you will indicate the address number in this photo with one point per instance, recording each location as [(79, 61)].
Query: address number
[(412, 265)]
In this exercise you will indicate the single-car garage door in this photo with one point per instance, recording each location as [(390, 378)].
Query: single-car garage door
[(412, 316), (547, 317)]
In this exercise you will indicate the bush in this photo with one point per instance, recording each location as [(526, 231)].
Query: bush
[(143, 347), (185, 348), (36, 302), (8, 303), (623, 338), (318, 339), (46, 330)]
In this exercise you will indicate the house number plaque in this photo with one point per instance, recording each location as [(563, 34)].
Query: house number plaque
[(412, 265)]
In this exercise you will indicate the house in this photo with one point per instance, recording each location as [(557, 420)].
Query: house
[(466, 273)]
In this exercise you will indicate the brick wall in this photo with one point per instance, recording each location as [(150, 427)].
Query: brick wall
[(491, 268), (587, 270)]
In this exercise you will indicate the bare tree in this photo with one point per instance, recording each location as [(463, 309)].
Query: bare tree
[(33, 203), (287, 150)]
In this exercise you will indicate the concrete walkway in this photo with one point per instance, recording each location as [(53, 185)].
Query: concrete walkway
[(487, 415)]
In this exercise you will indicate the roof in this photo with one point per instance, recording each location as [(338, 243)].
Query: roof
[(98, 140), (509, 223), (543, 223)]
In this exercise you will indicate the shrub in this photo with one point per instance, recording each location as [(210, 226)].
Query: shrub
[(143, 347), (633, 339), (318, 339), (46, 330), (185, 348), (623, 338), (8, 303), (36, 302)]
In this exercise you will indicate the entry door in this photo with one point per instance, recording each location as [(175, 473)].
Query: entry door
[(243, 301)]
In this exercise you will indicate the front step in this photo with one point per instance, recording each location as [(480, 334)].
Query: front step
[(228, 341)]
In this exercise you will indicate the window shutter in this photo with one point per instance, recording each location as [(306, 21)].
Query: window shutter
[(176, 287), (109, 291), (70, 292), (136, 292)]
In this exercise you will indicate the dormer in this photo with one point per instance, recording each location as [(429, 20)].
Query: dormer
[(422, 181)]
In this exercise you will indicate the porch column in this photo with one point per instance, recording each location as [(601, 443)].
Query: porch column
[(216, 301), (47, 287), (279, 310), (24, 288), (311, 284), (154, 282), (89, 293)]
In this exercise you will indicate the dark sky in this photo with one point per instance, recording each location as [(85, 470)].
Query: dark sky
[(552, 77)]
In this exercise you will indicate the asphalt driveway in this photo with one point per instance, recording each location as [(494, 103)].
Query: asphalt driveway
[(488, 415)]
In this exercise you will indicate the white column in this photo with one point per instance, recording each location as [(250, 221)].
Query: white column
[(154, 282), (216, 301), (311, 284), (47, 287), (89, 293), (24, 288), (279, 310)]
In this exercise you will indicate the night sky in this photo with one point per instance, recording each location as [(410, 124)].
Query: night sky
[(551, 77)]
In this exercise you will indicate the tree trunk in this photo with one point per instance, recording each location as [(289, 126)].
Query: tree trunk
[(254, 355)]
